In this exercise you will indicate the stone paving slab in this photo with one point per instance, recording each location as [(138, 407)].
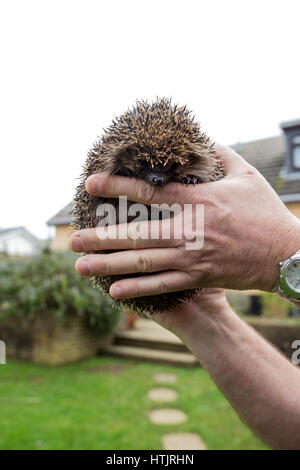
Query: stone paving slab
[(150, 328), (166, 416), (165, 378), (152, 355), (183, 441), (147, 329), (162, 394)]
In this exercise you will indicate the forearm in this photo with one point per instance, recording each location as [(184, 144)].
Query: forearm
[(259, 382)]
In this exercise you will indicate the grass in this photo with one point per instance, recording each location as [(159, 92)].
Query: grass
[(102, 404)]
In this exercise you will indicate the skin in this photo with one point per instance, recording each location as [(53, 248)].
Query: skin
[(247, 231)]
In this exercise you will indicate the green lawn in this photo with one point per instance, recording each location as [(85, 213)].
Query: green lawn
[(102, 404)]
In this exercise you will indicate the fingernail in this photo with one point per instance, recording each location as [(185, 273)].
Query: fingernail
[(93, 184), (83, 267), (116, 291), (77, 243)]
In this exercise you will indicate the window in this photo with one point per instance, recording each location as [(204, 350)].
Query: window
[(295, 152)]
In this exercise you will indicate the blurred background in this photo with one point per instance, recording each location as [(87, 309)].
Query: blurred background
[(75, 373)]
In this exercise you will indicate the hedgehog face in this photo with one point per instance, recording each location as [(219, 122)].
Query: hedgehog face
[(158, 175), (156, 167)]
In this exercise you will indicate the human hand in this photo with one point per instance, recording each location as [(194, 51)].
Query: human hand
[(247, 231)]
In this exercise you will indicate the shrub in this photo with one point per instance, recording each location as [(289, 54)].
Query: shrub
[(274, 306), (239, 302), (48, 283)]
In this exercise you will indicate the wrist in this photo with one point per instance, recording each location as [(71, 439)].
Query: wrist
[(216, 329), (205, 316), (286, 243)]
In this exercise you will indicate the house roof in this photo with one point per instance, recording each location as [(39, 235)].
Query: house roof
[(12, 231), (267, 155), (63, 217)]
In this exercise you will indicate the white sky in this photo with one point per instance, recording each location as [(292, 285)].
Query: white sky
[(67, 67)]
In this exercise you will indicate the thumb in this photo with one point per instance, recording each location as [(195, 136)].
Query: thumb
[(233, 163)]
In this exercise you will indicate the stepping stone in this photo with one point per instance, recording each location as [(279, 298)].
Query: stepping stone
[(167, 416), (165, 378), (162, 394), (183, 441)]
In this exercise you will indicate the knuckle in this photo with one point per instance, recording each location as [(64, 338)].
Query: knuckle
[(136, 242), (103, 268), (96, 237), (203, 272), (145, 192), (178, 243), (113, 186), (135, 289), (184, 257), (144, 264), (162, 286), (107, 183), (98, 245)]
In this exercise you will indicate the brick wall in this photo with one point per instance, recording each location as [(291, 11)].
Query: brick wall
[(280, 333), (45, 340)]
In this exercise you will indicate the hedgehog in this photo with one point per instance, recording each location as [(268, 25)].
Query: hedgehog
[(158, 142)]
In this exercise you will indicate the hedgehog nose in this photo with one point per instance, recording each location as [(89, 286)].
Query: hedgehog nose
[(158, 180)]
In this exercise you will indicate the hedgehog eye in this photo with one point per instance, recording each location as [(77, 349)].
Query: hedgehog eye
[(144, 165), (175, 166), (125, 172)]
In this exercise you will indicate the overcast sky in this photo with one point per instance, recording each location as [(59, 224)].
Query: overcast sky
[(67, 67)]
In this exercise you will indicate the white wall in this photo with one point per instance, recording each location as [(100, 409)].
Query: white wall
[(17, 245)]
